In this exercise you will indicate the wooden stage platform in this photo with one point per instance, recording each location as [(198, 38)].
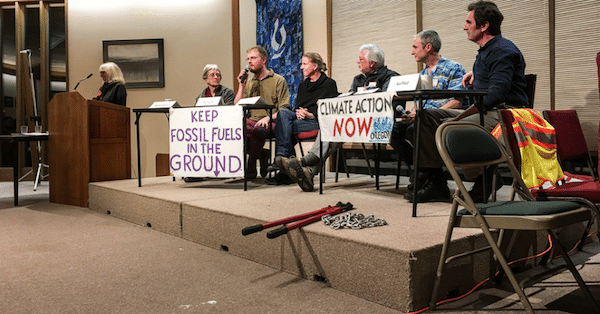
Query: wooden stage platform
[(393, 265)]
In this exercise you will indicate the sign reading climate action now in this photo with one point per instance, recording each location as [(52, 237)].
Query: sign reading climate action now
[(206, 142), (365, 118)]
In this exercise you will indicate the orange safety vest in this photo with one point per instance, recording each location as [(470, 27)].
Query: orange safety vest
[(537, 145)]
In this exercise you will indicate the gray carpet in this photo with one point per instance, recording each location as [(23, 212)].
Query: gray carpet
[(65, 259)]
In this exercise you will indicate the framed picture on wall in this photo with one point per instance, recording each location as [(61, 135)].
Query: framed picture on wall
[(141, 60)]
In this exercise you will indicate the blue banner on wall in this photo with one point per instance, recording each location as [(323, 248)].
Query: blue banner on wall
[(279, 31)]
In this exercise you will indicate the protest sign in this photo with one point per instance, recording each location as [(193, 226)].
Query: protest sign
[(206, 142), (365, 118)]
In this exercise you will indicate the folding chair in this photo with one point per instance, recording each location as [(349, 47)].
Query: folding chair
[(570, 140), (467, 145), (308, 136)]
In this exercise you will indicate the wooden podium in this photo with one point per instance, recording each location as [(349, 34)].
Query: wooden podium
[(88, 141)]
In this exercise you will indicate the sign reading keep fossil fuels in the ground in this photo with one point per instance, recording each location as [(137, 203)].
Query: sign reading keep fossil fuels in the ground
[(206, 142)]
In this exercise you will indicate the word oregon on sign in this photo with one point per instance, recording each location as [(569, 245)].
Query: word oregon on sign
[(206, 142), (365, 118)]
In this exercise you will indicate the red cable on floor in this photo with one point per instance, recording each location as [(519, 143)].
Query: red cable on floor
[(550, 244), (576, 244)]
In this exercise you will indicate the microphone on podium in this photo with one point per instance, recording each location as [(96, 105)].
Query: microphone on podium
[(245, 75), (76, 85)]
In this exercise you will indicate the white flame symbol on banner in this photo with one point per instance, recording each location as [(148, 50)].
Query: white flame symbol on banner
[(278, 47)]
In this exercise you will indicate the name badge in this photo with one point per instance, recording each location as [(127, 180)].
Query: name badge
[(167, 103), (209, 101)]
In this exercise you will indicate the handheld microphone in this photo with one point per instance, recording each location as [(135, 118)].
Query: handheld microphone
[(245, 75), (83, 80), (400, 109)]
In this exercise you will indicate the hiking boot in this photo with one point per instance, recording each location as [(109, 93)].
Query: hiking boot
[(302, 175), (284, 165), (276, 165), (422, 180), (431, 192), (310, 159)]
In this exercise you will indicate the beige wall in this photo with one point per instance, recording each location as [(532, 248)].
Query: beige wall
[(315, 26), (195, 32), (532, 25)]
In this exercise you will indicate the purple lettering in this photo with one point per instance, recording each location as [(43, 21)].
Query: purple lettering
[(175, 162), (231, 161), (186, 162), (179, 135), (215, 132)]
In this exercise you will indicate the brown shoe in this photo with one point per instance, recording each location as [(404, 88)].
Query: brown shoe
[(301, 175), (276, 165), (284, 167), (284, 164)]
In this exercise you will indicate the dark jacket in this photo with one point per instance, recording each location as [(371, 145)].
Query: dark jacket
[(225, 93), (381, 76), (113, 93), (499, 68), (309, 92)]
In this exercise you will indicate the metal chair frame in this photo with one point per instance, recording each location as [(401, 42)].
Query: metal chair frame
[(467, 145)]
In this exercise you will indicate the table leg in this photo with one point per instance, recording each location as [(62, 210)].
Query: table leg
[(321, 163), (376, 156), (270, 139), (16, 173), (169, 123), (245, 139), (137, 132), (416, 155)]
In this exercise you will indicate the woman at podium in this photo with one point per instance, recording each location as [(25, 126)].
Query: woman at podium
[(113, 89)]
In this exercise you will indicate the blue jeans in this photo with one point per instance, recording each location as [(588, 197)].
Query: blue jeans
[(286, 127)]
